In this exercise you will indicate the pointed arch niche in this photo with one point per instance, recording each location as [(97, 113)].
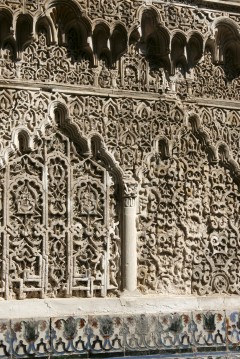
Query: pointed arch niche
[(59, 216)]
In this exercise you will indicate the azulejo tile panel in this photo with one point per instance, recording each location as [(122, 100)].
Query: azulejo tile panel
[(69, 335), (209, 329), (158, 332), (30, 337), (107, 333), (175, 330), (6, 336), (202, 334), (233, 329)]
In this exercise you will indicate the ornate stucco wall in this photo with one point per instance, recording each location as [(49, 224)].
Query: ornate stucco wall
[(119, 177)]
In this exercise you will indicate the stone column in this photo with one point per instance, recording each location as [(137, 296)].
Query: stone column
[(130, 237), (189, 87), (114, 75), (96, 72)]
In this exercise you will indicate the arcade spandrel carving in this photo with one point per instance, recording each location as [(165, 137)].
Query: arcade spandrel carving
[(119, 151)]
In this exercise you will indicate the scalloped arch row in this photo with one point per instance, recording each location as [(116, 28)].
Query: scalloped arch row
[(100, 41)]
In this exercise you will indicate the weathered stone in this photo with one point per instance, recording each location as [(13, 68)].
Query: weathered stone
[(119, 168)]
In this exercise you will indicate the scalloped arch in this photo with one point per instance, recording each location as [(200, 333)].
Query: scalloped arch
[(73, 4), (230, 23), (145, 8)]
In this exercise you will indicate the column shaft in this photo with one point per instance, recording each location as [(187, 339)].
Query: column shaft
[(130, 245)]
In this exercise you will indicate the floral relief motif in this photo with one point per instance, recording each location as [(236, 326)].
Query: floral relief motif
[(187, 224), (100, 112), (73, 205)]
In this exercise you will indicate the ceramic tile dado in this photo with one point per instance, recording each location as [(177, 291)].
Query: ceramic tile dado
[(158, 333), (30, 337), (6, 336), (233, 356), (106, 334), (136, 332), (209, 330), (233, 329), (211, 355), (197, 335), (174, 331), (69, 335)]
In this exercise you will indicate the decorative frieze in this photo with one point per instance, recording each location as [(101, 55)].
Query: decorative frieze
[(189, 334)]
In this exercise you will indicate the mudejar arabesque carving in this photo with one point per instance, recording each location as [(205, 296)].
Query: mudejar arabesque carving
[(119, 151)]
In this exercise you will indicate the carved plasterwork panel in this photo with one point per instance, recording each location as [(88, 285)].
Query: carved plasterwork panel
[(213, 81), (59, 231), (188, 224), (187, 218), (150, 94)]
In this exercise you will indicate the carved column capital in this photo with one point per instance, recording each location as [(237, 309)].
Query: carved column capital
[(189, 86), (114, 75), (130, 193), (96, 71)]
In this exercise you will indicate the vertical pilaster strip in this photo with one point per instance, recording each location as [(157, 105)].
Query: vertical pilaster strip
[(130, 237)]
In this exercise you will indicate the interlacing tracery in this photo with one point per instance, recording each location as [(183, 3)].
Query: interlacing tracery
[(119, 152)]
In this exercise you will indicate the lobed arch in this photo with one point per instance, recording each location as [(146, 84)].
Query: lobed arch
[(59, 114), (178, 51), (149, 18), (174, 190), (219, 152), (98, 146), (156, 48), (148, 34), (73, 5), (26, 151), (227, 42), (45, 25), (101, 43), (24, 31), (6, 23), (194, 50), (134, 37), (118, 42)]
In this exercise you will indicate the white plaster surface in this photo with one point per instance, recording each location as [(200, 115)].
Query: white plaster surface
[(126, 304)]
